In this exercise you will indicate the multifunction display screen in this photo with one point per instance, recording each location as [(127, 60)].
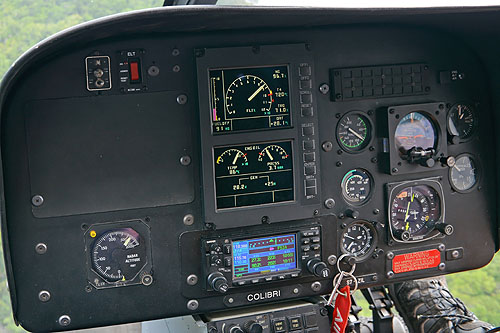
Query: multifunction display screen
[(263, 256), (249, 98), (253, 174)]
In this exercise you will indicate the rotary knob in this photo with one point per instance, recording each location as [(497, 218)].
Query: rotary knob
[(233, 328), (318, 268), (252, 326), (218, 282)]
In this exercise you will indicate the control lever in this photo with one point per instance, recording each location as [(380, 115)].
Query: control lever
[(218, 282), (421, 156)]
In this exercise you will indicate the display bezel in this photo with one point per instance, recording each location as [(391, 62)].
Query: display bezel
[(295, 56), (271, 66), (276, 273)]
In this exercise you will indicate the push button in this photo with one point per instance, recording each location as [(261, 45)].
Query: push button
[(306, 131), (305, 70), (306, 111), (308, 145), (306, 98), (309, 157), (279, 326), (310, 170), (227, 261), (310, 320), (295, 323)]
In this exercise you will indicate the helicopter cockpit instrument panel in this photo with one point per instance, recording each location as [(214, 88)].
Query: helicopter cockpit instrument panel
[(172, 170)]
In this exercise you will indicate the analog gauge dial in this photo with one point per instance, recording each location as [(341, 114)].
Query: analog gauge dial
[(248, 95), (461, 121), (414, 211), (118, 255), (273, 155), (231, 161), (358, 239), (415, 130), (463, 175), (353, 132), (356, 186)]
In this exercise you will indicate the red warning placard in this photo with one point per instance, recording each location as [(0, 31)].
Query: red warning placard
[(415, 261)]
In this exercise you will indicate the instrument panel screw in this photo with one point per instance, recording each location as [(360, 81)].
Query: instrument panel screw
[(230, 300), (64, 320), (192, 304), (441, 247), (391, 111), (374, 160), (390, 274), (44, 296), (182, 99), (188, 219), (316, 286), (340, 152), (213, 330), (442, 266), (192, 280), (390, 255), (296, 291), (37, 200), (343, 225), (332, 260), (316, 212), (147, 279), (455, 254), (185, 160), (337, 115), (199, 52), (323, 312), (88, 289), (176, 68), (338, 164), (376, 211), (395, 170), (372, 148), (338, 96), (327, 146), (176, 52), (329, 203), (41, 248), (375, 277), (324, 88)]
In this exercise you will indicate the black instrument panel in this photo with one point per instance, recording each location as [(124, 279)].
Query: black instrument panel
[(168, 185)]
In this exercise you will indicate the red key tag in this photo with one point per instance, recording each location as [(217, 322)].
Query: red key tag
[(341, 311)]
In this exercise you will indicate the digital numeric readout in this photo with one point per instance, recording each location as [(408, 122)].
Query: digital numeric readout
[(264, 256), (253, 174)]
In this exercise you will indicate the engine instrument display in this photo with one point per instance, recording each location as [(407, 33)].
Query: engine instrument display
[(263, 256), (353, 132), (358, 239), (461, 121), (414, 212), (415, 130), (356, 186), (249, 98), (117, 255), (253, 174), (463, 175)]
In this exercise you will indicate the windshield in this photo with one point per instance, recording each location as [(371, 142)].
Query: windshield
[(24, 23)]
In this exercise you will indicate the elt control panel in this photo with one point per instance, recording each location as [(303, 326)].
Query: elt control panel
[(189, 173)]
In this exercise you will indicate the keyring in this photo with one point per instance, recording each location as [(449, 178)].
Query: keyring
[(340, 259), (355, 283)]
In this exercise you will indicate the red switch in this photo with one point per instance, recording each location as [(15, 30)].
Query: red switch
[(134, 71)]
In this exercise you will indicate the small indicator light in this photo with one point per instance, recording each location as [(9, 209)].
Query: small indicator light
[(93, 233)]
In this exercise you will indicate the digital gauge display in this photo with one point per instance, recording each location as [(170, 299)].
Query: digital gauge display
[(263, 256), (253, 174), (249, 98)]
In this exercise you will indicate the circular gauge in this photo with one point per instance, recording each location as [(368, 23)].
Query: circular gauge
[(415, 130), (353, 132), (463, 175), (118, 255), (356, 186), (358, 239), (461, 121), (248, 95), (231, 160), (414, 211)]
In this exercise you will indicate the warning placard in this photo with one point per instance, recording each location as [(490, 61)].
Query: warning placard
[(415, 261)]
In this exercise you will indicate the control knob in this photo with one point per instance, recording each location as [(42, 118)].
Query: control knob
[(218, 282), (318, 268), (403, 235), (233, 328), (444, 228), (252, 326)]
